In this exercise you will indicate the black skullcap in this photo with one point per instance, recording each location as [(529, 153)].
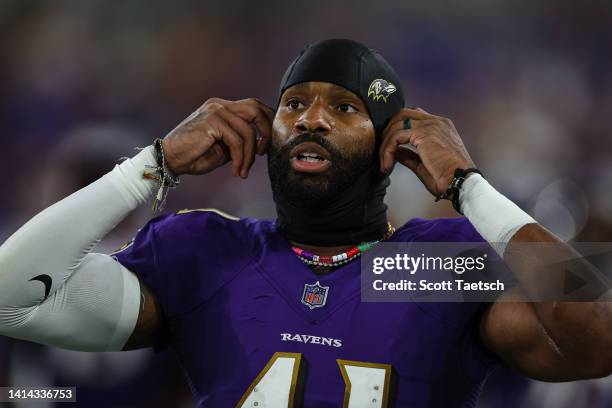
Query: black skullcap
[(353, 66)]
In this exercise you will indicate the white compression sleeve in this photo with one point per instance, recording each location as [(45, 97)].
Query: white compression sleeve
[(92, 302), (493, 215)]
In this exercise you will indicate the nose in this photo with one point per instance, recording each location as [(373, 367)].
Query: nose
[(315, 119)]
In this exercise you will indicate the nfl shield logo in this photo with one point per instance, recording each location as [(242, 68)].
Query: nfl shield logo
[(315, 295)]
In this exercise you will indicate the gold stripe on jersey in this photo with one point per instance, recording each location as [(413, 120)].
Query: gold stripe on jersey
[(216, 211)]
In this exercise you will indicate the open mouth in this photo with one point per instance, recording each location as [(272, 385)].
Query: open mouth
[(310, 157)]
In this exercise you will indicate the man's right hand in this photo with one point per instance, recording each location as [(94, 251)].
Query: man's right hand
[(217, 132)]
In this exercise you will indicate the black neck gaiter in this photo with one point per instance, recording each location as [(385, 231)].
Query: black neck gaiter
[(357, 214)]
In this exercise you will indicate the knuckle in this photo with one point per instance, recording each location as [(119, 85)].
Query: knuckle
[(428, 123), (418, 138), (214, 107), (401, 134), (210, 134), (248, 102), (212, 101), (253, 101)]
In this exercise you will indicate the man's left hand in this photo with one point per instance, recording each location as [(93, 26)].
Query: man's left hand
[(438, 149)]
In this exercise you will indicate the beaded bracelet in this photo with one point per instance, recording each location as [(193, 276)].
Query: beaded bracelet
[(162, 174)]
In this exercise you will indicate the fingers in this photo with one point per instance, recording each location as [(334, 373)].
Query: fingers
[(390, 147), (266, 138), (415, 114), (248, 135), (234, 143), (257, 113), (393, 144), (261, 115), (408, 158), (249, 118), (418, 117), (395, 135)]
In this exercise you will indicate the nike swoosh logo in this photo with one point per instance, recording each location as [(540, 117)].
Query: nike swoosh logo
[(46, 280)]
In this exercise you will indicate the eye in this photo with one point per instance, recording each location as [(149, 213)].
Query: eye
[(348, 108), (294, 104)]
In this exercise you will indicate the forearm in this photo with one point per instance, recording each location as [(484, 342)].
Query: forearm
[(578, 321), (51, 248), (56, 240), (540, 261)]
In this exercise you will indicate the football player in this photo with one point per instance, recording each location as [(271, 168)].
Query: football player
[(267, 313)]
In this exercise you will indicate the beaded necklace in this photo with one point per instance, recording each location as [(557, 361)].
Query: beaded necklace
[(342, 258)]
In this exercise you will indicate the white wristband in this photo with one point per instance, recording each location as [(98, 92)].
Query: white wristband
[(494, 216)]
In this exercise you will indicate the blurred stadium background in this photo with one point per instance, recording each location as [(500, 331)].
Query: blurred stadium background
[(527, 84)]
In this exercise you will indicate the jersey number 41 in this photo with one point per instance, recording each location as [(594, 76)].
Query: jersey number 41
[(366, 384)]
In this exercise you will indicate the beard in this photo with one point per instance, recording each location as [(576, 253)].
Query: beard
[(315, 190)]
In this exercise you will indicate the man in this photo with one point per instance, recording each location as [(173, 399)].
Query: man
[(268, 313)]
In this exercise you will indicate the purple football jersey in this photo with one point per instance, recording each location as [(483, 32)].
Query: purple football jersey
[(253, 326)]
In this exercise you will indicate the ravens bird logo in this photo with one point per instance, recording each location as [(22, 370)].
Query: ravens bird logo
[(380, 89)]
